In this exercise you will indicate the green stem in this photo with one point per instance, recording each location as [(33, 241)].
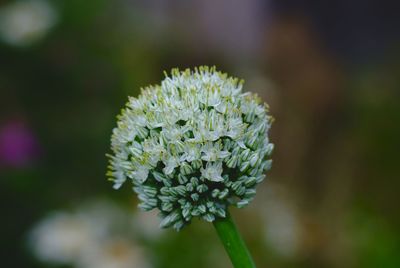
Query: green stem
[(233, 243)]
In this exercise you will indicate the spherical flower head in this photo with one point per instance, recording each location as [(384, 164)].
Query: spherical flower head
[(192, 146)]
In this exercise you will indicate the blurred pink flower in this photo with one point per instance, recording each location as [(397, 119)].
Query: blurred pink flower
[(18, 145)]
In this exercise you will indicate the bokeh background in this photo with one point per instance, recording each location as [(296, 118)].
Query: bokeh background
[(330, 71)]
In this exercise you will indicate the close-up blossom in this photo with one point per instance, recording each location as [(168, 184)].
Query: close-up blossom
[(108, 161), (192, 146)]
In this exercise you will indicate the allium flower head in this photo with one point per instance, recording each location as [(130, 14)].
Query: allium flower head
[(192, 146)]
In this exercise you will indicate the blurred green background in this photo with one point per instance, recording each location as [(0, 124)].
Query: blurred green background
[(330, 72)]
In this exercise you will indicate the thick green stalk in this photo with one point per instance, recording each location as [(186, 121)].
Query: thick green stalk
[(233, 243)]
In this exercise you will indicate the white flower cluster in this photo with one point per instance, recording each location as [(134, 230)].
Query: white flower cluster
[(192, 146)]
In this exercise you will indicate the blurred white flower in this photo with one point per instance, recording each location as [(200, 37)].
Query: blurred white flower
[(148, 225), (96, 235), (61, 238), (116, 253), (282, 224), (23, 23)]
